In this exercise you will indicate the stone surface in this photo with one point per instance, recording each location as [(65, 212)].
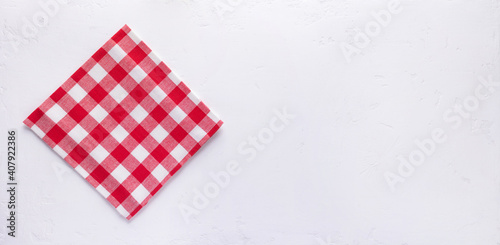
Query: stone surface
[(369, 85)]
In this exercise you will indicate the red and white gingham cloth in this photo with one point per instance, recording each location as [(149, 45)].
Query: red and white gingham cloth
[(125, 122)]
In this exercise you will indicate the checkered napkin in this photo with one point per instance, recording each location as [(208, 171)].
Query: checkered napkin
[(125, 122)]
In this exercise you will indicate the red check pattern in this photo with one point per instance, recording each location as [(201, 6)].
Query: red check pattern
[(124, 122)]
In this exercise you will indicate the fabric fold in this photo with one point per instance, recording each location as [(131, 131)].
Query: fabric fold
[(125, 122)]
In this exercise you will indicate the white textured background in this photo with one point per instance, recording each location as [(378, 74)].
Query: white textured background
[(319, 181)]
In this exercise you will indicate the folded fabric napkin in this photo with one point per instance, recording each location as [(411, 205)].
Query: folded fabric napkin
[(124, 122)]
